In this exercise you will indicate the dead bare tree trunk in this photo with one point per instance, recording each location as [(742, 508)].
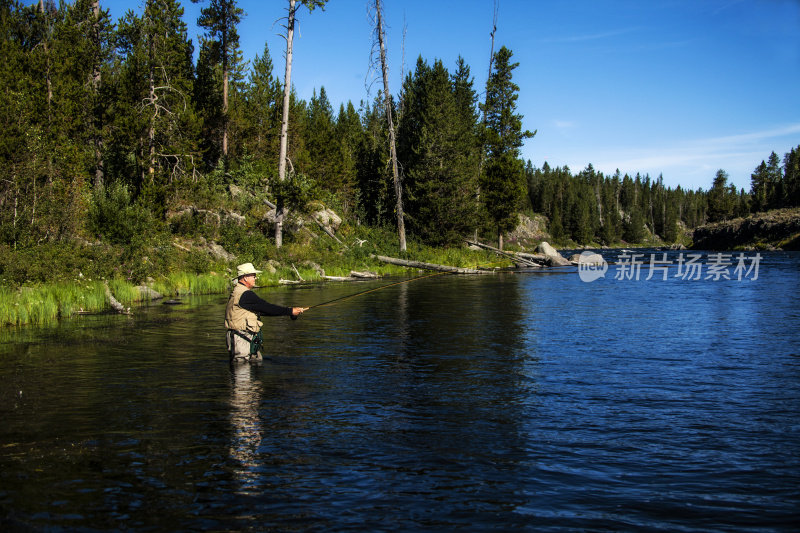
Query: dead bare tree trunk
[(49, 81), (599, 199), (483, 124), (151, 132), (225, 76), (280, 211), (429, 266), (97, 141), (398, 188)]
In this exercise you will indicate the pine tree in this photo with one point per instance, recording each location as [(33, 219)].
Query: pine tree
[(321, 142), (18, 106), (503, 180), (721, 201), (262, 115), (759, 188), (791, 176), (774, 180), (436, 145), (156, 118), (374, 178), (350, 133), (220, 19)]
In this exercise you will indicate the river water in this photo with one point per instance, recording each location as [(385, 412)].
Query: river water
[(540, 402)]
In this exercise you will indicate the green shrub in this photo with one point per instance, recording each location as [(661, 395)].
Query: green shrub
[(115, 218)]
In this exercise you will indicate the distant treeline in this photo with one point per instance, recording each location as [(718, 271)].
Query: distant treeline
[(590, 207), (107, 127)]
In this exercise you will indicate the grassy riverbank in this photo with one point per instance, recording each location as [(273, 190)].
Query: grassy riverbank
[(51, 282)]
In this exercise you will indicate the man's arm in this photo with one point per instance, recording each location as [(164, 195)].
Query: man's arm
[(254, 304)]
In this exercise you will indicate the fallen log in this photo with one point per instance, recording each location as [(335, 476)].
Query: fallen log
[(328, 232), (340, 278), (364, 275), (539, 259), (118, 307), (297, 273), (516, 258), (149, 293), (429, 266), (354, 276)]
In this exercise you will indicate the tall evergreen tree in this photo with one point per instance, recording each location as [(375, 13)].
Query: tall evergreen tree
[(156, 82), (791, 176), (721, 201), (503, 180), (774, 179), (439, 156), (220, 19), (321, 141), (759, 188), (374, 178), (262, 114), (18, 106), (350, 133)]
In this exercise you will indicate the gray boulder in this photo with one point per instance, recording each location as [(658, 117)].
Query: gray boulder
[(552, 257), (587, 259)]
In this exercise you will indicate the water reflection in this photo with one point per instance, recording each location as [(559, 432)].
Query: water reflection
[(510, 402), (246, 424)]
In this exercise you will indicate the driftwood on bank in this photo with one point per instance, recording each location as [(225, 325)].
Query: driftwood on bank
[(430, 266), (118, 307), (328, 231), (518, 259), (354, 276), (363, 275), (149, 293)]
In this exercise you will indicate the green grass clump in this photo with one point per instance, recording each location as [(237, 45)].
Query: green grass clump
[(28, 305), (208, 284), (8, 313), (184, 283), (125, 292)]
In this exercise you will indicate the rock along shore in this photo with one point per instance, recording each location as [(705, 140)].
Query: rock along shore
[(779, 228)]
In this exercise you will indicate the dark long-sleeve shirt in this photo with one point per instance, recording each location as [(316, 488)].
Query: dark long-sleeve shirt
[(253, 303)]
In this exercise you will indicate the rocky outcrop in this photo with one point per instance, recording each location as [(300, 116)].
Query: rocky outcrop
[(587, 258), (552, 257), (774, 229), (529, 231)]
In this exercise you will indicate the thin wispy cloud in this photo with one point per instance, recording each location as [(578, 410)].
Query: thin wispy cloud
[(754, 136), (592, 36), (563, 124), (696, 160)]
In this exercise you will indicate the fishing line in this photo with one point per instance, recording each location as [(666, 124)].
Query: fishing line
[(376, 289)]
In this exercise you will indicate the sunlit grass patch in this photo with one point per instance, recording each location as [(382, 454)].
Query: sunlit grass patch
[(208, 284), (184, 283), (8, 312), (28, 305), (124, 292)]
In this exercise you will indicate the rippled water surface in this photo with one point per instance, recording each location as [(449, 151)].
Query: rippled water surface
[(501, 402)]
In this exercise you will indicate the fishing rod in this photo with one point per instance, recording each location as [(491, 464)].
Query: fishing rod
[(330, 302)]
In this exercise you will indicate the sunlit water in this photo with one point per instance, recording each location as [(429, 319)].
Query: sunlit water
[(500, 402)]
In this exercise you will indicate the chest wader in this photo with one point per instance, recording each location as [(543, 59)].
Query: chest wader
[(256, 341)]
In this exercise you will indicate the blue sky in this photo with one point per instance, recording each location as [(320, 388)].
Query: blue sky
[(678, 88)]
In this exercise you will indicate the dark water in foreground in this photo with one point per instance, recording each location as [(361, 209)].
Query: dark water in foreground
[(505, 402)]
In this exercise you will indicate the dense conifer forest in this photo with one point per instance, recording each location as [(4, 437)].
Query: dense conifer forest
[(109, 129)]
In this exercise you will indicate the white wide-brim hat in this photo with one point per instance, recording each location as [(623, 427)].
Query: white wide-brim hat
[(246, 269)]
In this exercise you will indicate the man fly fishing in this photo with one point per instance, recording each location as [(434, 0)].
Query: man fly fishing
[(243, 336)]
